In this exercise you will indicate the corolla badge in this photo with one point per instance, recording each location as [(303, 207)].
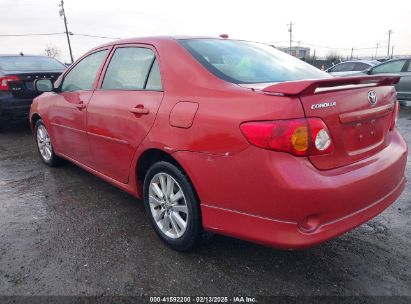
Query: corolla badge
[(323, 105), (372, 98)]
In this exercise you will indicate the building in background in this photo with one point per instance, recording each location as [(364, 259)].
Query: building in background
[(296, 51)]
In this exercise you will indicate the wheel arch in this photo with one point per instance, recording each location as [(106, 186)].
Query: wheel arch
[(153, 155), (33, 119)]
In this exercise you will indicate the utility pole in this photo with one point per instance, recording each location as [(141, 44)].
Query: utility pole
[(63, 13), (352, 51), (376, 50), (389, 40), (392, 52), (290, 30)]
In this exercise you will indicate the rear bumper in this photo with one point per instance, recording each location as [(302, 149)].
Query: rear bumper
[(404, 98), (12, 107), (289, 235), (284, 201), (405, 102)]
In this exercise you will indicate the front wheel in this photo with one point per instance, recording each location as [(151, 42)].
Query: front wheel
[(44, 145), (172, 206)]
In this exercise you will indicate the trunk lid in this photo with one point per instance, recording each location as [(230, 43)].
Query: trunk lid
[(24, 87), (359, 126)]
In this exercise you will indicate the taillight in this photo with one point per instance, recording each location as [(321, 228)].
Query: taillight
[(395, 116), (321, 142), (4, 82), (300, 137)]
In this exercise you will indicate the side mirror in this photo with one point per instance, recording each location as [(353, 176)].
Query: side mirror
[(368, 71), (43, 85)]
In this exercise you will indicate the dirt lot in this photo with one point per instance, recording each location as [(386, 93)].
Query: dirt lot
[(65, 232)]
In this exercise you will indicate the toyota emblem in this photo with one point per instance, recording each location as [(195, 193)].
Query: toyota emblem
[(372, 98)]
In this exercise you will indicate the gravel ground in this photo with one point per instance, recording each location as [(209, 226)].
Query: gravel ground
[(65, 232)]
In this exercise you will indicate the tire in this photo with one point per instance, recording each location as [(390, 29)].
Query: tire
[(44, 145), (169, 209)]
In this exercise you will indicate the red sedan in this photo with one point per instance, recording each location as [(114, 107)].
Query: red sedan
[(227, 136)]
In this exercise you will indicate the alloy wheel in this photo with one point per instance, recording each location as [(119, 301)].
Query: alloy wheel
[(44, 143), (168, 205)]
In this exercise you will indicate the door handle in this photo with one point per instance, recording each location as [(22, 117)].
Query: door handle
[(139, 109), (80, 106)]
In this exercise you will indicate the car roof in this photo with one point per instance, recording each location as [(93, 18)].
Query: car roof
[(152, 40), (396, 59), (371, 62), (19, 55), (392, 60)]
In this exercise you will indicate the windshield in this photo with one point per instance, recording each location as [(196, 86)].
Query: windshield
[(30, 64), (249, 62)]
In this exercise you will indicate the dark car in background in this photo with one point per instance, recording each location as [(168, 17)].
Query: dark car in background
[(17, 76), (401, 67)]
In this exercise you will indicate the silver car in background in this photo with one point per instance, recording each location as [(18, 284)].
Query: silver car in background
[(348, 68), (401, 67)]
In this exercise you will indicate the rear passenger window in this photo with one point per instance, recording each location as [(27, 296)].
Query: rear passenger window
[(360, 66), (154, 79), (128, 69), (344, 67)]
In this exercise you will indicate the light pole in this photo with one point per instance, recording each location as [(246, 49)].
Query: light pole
[(376, 50), (389, 40), (63, 13), (290, 30)]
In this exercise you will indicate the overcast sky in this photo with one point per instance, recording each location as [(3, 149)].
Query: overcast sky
[(326, 23)]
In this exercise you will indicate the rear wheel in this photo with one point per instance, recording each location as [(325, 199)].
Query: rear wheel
[(172, 206), (44, 145)]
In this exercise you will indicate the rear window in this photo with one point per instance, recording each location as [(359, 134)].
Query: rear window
[(249, 62), (389, 67), (30, 64)]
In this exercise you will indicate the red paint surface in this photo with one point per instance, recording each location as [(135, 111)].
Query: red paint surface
[(269, 197), (183, 113)]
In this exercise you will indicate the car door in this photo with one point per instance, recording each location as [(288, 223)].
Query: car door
[(391, 67), (67, 115), (123, 108), (404, 86)]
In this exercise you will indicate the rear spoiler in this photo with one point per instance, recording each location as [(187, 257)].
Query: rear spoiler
[(309, 87)]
